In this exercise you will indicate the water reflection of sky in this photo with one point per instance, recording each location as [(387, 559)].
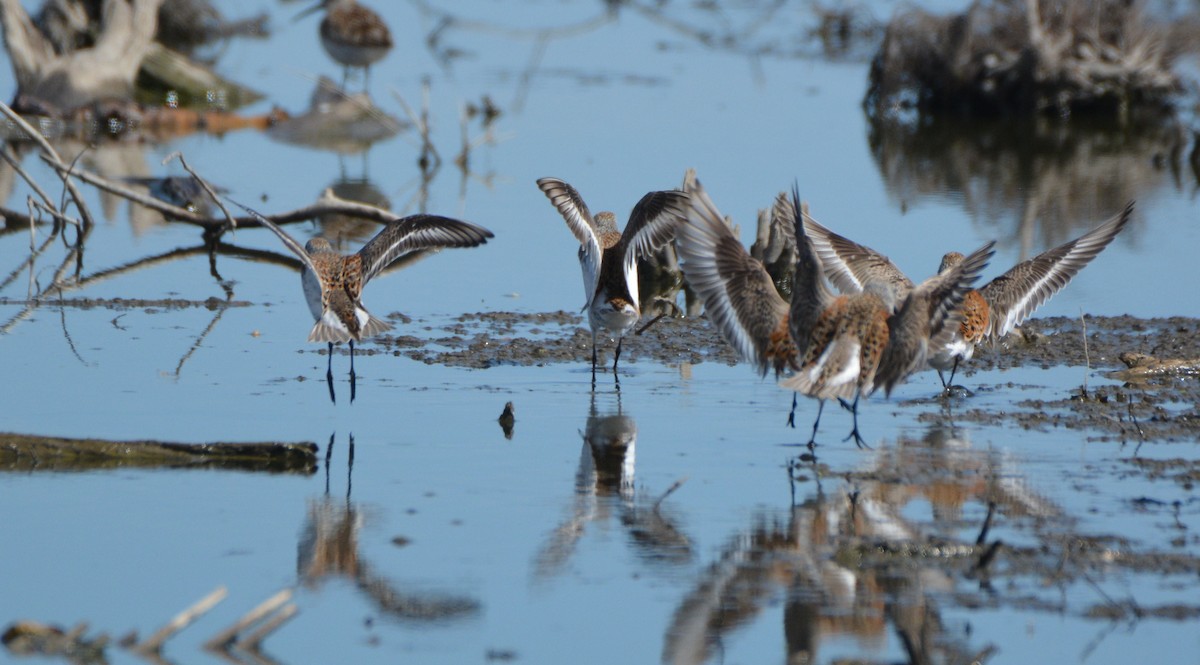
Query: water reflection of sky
[(615, 110)]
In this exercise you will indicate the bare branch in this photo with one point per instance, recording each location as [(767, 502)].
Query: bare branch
[(154, 643), (48, 150)]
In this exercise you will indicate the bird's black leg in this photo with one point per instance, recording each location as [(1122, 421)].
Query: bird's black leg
[(942, 378), (858, 440), (353, 378), (792, 415), (329, 375), (593, 363), (617, 356), (953, 370), (812, 440)]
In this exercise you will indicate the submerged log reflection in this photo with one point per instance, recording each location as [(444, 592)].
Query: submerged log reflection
[(1055, 177)]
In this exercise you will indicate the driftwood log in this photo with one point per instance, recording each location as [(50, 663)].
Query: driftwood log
[(22, 452), (1029, 57)]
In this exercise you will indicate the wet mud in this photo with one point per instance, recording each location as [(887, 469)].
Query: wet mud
[(1162, 405)]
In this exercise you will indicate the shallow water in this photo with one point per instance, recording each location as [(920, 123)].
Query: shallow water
[(446, 541)]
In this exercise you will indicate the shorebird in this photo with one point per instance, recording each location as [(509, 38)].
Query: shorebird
[(608, 257), (823, 346), (333, 282), (989, 313), (353, 35)]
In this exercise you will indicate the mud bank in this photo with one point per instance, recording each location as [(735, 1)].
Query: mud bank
[(1115, 402)]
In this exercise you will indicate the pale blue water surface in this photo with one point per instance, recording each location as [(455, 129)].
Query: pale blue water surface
[(544, 559)]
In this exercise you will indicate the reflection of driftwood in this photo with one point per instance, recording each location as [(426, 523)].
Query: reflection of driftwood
[(1027, 56), (189, 83), (1055, 177), (22, 452), (65, 81)]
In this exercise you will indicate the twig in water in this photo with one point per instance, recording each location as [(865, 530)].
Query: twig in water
[(9, 157), (1137, 427), (253, 641), (1086, 357), (57, 161), (226, 637), (212, 193), (153, 644), (670, 490)]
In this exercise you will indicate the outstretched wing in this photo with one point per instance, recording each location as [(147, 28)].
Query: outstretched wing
[(654, 220), (810, 295), (288, 241), (571, 206), (927, 317), (652, 224), (737, 291), (851, 266), (417, 232), (1015, 295)]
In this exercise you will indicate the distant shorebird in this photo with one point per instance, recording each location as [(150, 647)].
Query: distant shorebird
[(609, 257), (823, 346), (353, 35), (988, 313), (333, 282)]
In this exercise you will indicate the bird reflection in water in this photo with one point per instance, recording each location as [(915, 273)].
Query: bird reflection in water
[(604, 487), (329, 549), (340, 227), (861, 560)]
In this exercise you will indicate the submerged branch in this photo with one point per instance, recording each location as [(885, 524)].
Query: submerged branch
[(24, 452)]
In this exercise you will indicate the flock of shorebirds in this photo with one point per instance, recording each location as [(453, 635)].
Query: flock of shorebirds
[(881, 329), (877, 332)]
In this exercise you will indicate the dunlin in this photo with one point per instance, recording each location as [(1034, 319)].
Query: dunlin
[(990, 312), (333, 282), (609, 256), (840, 347), (353, 35)]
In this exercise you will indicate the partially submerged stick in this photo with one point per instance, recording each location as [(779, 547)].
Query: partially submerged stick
[(154, 643), (226, 637)]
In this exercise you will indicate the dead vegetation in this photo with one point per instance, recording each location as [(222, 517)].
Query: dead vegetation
[(1030, 57)]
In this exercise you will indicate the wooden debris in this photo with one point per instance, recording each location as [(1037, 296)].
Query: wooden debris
[(1142, 367), (22, 452), (1028, 57), (29, 638), (153, 644)]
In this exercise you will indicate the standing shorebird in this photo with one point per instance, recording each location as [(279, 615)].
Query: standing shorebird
[(353, 35), (989, 313), (333, 282), (609, 257), (823, 346)]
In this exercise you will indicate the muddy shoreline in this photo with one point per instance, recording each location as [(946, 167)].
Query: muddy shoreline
[(1151, 405)]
